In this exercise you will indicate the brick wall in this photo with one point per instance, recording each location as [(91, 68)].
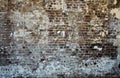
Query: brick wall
[(36, 34)]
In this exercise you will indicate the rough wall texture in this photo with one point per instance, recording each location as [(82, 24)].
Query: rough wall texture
[(59, 38)]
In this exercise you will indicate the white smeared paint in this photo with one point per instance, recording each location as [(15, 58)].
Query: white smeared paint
[(98, 48)]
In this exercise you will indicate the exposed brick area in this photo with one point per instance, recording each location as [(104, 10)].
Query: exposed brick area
[(58, 38)]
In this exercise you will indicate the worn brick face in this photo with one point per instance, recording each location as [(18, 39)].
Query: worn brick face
[(58, 38)]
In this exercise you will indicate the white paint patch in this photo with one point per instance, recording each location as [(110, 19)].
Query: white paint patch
[(98, 48)]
